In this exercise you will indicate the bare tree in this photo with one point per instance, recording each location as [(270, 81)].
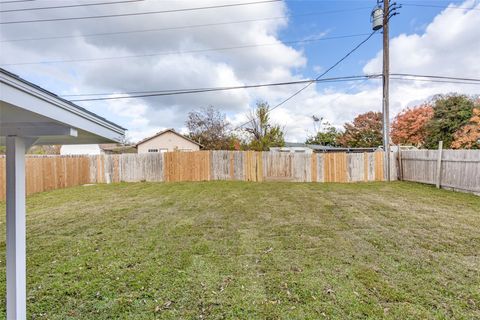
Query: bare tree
[(209, 127)]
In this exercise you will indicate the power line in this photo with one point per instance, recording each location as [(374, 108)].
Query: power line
[(364, 78), (16, 1), (439, 81), (141, 13), (317, 78), (70, 6), (437, 6), (184, 27), (186, 51), (434, 77), (159, 93)]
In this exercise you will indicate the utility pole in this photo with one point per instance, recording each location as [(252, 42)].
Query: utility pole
[(380, 19), (386, 82)]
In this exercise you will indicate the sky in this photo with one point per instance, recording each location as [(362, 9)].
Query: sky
[(171, 51)]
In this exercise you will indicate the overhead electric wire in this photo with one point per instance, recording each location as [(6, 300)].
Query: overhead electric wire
[(438, 81), (70, 6), (140, 13), (171, 92), (184, 27), (185, 51), (317, 78), (434, 77), (15, 1), (436, 6), (158, 93), (364, 78)]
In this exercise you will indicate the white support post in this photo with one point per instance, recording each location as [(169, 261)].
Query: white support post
[(16, 223)]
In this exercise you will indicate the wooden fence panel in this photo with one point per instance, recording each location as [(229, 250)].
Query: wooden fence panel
[(460, 169), (320, 167), (379, 166), (335, 167), (187, 166), (221, 165), (314, 164), (277, 166), (301, 167), (419, 166), (250, 166), (141, 167), (239, 165), (356, 167), (44, 173), (295, 167)]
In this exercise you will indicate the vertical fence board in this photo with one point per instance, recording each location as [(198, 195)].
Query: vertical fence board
[(314, 167), (379, 166), (460, 169)]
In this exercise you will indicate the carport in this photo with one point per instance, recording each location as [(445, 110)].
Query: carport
[(30, 115)]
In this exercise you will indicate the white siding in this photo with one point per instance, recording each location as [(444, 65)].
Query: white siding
[(79, 149), (168, 141)]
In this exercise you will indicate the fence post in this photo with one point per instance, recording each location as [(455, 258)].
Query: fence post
[(439, 163), (400, 164)]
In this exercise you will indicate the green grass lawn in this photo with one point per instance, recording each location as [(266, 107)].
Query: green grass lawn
[(235, 250)]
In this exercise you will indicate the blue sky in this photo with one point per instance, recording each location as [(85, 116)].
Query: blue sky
[(355, 20), (450, 46)]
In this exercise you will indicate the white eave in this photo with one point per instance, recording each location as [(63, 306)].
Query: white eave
[(25, 105)]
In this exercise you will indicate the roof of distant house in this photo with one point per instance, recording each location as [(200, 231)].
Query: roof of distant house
[(165, 131), (320, 148)]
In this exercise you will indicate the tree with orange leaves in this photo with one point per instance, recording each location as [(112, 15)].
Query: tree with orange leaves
[(468, 136), (408, 127), (365, 131)]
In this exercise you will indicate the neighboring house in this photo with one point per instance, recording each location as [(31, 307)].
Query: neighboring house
[(80, 149), (96, 149), (113, 148), (402, 148), (294, 147), (167, 140)]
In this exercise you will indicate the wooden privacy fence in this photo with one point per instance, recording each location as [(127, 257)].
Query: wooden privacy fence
[(45, 173), (238, 165), (54, 172), (459, 169)]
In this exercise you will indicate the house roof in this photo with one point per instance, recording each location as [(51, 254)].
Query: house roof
[(31, 111), (320, 148), (13, 75), (165, 131)]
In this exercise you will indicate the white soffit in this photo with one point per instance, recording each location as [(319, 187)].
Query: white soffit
[(28, 110)]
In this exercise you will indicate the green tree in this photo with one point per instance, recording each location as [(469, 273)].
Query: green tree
[(326, 137), (450, 113), (263, 134), (365, 131)]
